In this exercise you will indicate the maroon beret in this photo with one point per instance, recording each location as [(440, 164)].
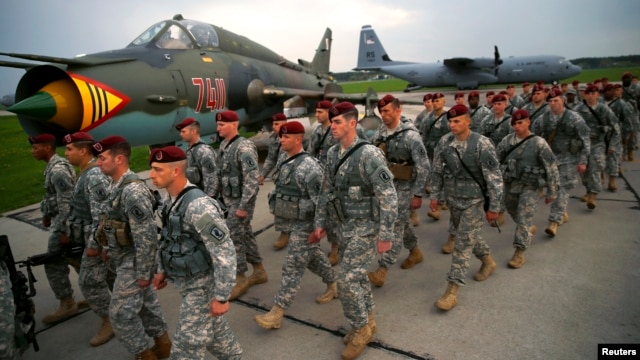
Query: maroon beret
[(186, 122), (341, 109), (278, 117), (458, 95), (457, 110), (597, 81), (540, 82), (227, 116), (519, 115), (474, 94), (554, 93), (437, 96), (537, 88), (167, 154), (503, 92), (605, 79), (626, 75), (427, 97), (497, 98), (546, 89), (617, 86), (564, 84), (42, 139), (292, 127), (575, 82), (490, 93), (591, 89), (324, 104), (107, 143), (386, 100), (526, 83), (511, 86), (609, 87), (77, 137)]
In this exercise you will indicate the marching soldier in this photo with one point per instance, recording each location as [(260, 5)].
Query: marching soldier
[(526, 92), (358, 187), (516, 100), (238, 177), (407, 160), (478, 112), (631, 94), (89, 201), (427, 99), (528, 168), (198, 256), (538, 105), (201, 159), (293, 202), (129, 231), (470, 179), (496, 126), (624, 114)]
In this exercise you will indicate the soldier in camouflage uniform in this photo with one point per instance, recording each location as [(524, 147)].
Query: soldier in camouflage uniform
[(130, 233), (407, 160), (526, 92), (571, 100), (477, 112), (515, 99), (568, 136), (624, 114), (198, 256), (496, 125), (298, 183), (277, 120), (59, 180), (238, 183), (604, 137), (538, 105), (358, 187), (89, 201), (201, 159), (319, 144), (8, 348), (631, 94), (434, 127), (427, 99), (466, 197), (528, 168)]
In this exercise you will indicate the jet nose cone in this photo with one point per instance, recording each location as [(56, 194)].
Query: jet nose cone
[(575, 70)]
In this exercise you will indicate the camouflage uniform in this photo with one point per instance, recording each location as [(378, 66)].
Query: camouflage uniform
[(623, 111), (8, 349), (536, 113), (526, 171), (201, 166), (568, 136), (604, 134), (496, 129), (88, 203), (134, 311), (432, 129), (631, 94), (510, 109), (367, 200), (293, 202), (238, 182), (58, 184), (272, 155), (572, 105), (403, 148), (420, 118), (196, 218), (517, 102), (464, 196), (477, 115)]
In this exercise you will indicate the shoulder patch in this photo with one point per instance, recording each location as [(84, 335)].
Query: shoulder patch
[(137, 213), (249, 161), (62, 185), (211, 229), (385, 176)]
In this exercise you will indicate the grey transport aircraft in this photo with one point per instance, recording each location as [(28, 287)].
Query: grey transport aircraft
[(462, 72)]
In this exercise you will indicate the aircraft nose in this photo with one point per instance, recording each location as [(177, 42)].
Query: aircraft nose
[(575, 70)]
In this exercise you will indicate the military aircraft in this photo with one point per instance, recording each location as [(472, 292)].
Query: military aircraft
[(462, 72), (175, 69)]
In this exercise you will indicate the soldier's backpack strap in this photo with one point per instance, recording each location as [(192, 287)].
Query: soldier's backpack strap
[(515, 147), (344, 158), (435, 121), (538, 109)]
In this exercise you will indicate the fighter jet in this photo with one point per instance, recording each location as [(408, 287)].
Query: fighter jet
[(462, 72), (175, 69)]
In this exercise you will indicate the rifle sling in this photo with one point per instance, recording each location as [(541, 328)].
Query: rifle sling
[(515, 147)]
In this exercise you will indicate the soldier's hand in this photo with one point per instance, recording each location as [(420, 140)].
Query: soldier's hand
[(46, 221), (313, 239), (549, 200), (434, 205), (159, 281), (92, 252), (491, 216), (241, 213), (319, 233), (416, 203), (384, 246), (582, 169), (143, 283), (261, 180), (218, 308), (64, 239)]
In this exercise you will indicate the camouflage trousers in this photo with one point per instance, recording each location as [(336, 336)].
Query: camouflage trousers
[(612, 167), (400, 228), (242, 236), (197, 331), (135, 312), (522, 208), (592, 179), (468, 224), (57, 271), (354, 287), (96, 280), (8, 348), (568, 180), (301, 256), (629, 139)]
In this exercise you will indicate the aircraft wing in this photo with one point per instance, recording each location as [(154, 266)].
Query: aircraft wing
[(79, 61), (17, 65)]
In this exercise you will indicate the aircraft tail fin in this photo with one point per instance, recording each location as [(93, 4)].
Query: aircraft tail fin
[(322, 58), (371, 53)]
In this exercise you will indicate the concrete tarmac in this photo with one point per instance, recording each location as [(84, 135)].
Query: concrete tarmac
[(576, 290)]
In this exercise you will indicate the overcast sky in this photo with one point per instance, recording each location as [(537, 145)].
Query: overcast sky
[(411, 30)]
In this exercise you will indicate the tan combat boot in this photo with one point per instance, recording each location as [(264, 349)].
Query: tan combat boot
[(361, 337), (146, 355), (533, 229), (68, 307), (371, 323), (449, 299), (612, 184), (631, 155), (272, 319), (415, 257), (450, 245), (499, 220), (282, 241), (241, 286), (517, 260), (564, 219), (378, 277), (259, 275), (329, 294), (105, 333), (435, 215), (162, 346), (487, 268), (333, 254), (552, 229), (584, 197), (443, 206), (83, 304), (415, 221), (591, 200)]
